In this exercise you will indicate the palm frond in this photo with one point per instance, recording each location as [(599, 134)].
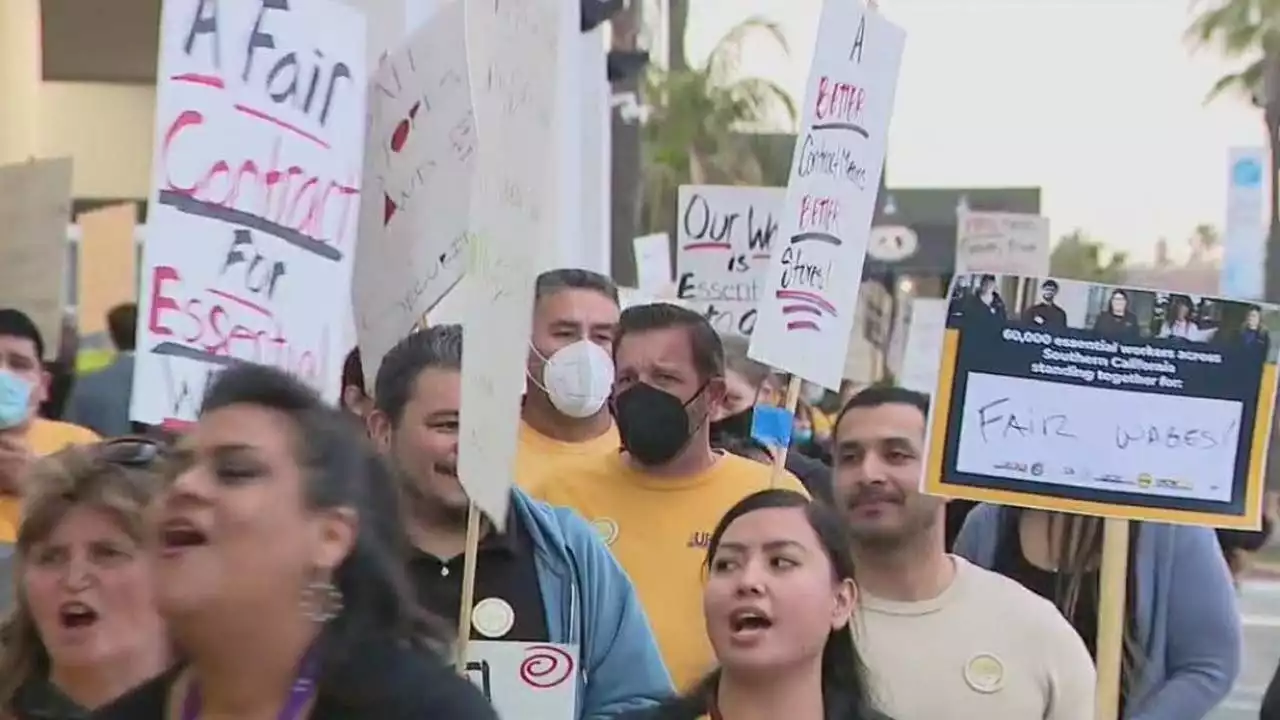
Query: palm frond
[(725, 58), (1233, 28), (1244, 83)]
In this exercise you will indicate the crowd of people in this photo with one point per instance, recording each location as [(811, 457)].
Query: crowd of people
[(283, 558)]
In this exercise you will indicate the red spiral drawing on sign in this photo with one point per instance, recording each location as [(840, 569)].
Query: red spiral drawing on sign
[(545, 666)]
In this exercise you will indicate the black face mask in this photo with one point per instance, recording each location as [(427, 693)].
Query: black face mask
[(737, 425), (653, 423)]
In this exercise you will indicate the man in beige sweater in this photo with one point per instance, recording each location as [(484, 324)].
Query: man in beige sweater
[(943, 639)]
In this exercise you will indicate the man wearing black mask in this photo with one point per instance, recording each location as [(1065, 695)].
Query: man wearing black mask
[(657, 501)]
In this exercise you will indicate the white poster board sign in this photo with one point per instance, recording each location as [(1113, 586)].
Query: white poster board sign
[(923, 353), (512, 53), (725, 237), (260, 115), (1103, 414), (653, 262), (35, 206), (525, 681), (419, 158), (998, 242), (810, 293)]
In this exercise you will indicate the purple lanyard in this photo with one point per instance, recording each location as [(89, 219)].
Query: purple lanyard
[(303, 690)]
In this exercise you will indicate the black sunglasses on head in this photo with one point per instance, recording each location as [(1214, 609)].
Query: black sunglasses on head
[(130, 451)]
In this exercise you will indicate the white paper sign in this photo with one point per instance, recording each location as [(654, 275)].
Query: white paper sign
[(513, 49), (260, 115), (726, 235), (810, 293), (653, 262), (526, 681), (35, 204), (923, 353), (419, 158), (1002, 243)]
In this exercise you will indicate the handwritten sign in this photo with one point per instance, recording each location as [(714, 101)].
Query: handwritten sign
[(108, 267), (35, 206), (1006, 243), (260, 113), (810, 293), (653, 262), (525, 680), (513, 47), (924, 345), (419, 158), (726, 235), (1107, 415)]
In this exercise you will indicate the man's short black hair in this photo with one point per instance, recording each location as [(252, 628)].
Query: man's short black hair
[(439, 346), (353, 371), (15, 323), (878, 395), (1049, 284), (708, 351), (122, 326), (553, 281)]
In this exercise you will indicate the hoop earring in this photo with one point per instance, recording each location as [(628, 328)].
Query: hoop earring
[(321, 601)]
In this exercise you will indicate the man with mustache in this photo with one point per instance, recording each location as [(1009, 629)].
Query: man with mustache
[(547, 577), (988, 647)]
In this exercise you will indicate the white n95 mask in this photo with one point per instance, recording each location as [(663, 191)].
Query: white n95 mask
[(578, 378)]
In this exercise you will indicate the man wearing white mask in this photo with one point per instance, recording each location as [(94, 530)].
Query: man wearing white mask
[(565, 420)]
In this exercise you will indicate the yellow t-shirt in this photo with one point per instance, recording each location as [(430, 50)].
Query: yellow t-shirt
[(45, 437), (542, 459), (658, 529)]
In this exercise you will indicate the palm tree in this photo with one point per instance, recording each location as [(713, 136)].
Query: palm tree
[(1205, 244), (1249, 31), (677, 29), (698, 115), (1076, 257)]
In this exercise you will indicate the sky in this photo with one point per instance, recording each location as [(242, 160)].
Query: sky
[(1098, 102)]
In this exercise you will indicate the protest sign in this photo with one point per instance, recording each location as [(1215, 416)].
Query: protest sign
[(512, 53), (108, 268), (924, 345), (1145, 405), (260, 114), (1006, 243), (723, 245), (525, 680), (653, 262), (806, 311), (35, 207), (419, 156)]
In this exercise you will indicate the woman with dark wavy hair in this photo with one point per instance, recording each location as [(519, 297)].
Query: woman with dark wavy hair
[(778, 602), (279, 569)]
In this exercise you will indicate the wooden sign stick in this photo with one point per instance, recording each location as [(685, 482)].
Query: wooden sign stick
[(1111, 616), (469, 557)]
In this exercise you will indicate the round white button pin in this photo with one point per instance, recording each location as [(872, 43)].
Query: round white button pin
[(493, 617)]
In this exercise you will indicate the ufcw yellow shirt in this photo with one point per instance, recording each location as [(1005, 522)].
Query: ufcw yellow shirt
[(45, 437), (658, 528), (543, 459)]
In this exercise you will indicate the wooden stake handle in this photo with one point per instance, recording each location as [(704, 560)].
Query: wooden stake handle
[(468, 588), (1111, 616)]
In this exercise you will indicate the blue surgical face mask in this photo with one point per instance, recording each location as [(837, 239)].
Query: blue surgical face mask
[(15, 400), (802, 435)]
